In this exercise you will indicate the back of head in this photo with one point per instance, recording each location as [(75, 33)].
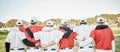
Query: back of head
[(101, 24), (100, 20), (83, 21), (19, 23), (49, 24), (33, 20)]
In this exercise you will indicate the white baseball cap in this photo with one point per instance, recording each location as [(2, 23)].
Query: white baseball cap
[(19, 22), (33, 19), (100, 19), (83, 20), (49, 23), (64, 21)]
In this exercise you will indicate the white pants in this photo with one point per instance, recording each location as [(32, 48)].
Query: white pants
[(16, 50), (66, 50), (86, 49), (33, 50), (97, 50), (50, 50)]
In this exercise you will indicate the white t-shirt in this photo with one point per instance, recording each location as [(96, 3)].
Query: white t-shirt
[(83, 31)]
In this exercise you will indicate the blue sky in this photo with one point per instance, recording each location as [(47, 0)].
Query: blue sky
[(45, 9)]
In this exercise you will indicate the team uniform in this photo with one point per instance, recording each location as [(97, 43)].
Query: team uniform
[(103, 37), (83, 32), (29, 41), (47, 35), (14, 40), (66, 44), (33, 29)]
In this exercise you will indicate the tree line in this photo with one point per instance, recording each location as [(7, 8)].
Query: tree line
[(112, 20)]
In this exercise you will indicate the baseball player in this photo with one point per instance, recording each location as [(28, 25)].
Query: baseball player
[(83, 31), (14, 39), (29, 41), (103, 37), (49, 37), (66, 44)]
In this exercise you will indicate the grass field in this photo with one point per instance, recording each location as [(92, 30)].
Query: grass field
[(4, 34)]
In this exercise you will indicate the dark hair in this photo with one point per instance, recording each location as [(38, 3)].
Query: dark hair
[(101, 27), (83, 23), (64, 28), (33, 23), (19, 23)]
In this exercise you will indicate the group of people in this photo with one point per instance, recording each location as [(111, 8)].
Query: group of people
[(48, 38)]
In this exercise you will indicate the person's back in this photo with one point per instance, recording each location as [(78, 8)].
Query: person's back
[(49, 37), (103, 37), (68, 42), (83, 31), (14, 39)]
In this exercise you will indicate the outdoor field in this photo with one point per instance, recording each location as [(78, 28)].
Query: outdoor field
[(4, 34)]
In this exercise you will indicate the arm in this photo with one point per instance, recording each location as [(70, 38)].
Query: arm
[(86, 42), (57, 35), (49, 44), (113, 46), (25, 40), (28, 43)]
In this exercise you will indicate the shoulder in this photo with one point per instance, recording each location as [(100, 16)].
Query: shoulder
[(58, 31), (74, 33)]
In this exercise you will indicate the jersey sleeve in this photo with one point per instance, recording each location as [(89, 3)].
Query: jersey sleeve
[(92, 34), (22, 29), (74, 34), (112, 35), (40, 28)]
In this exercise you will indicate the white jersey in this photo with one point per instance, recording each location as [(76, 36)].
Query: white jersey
[(15, 38), (47, 35), (83, 31)]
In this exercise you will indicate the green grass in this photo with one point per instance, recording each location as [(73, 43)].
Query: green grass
[(4, 34), (116, 31), (2, 41)]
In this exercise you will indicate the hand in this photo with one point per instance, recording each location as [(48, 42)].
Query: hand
[(37, 44), (84, 39), (77, 44), (44, 45)]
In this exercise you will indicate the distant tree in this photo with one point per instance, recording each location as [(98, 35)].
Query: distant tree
[(118, 25), (1, 24), (74, 22), (39, 23), (11, 23), (25, 23)]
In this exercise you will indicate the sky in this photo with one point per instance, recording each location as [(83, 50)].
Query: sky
[(46, 9)]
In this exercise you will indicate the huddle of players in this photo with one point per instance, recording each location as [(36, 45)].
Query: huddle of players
[(48, 38)]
